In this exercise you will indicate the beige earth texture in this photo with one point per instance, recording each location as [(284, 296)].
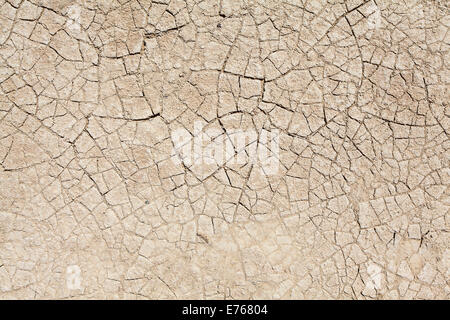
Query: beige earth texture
[(224, 149)]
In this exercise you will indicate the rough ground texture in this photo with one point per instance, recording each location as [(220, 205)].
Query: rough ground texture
[(92, 205)]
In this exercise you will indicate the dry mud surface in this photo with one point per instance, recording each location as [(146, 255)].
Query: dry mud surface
[(96, 201)]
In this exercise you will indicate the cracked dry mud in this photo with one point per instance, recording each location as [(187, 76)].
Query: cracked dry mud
[(92, 205)]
